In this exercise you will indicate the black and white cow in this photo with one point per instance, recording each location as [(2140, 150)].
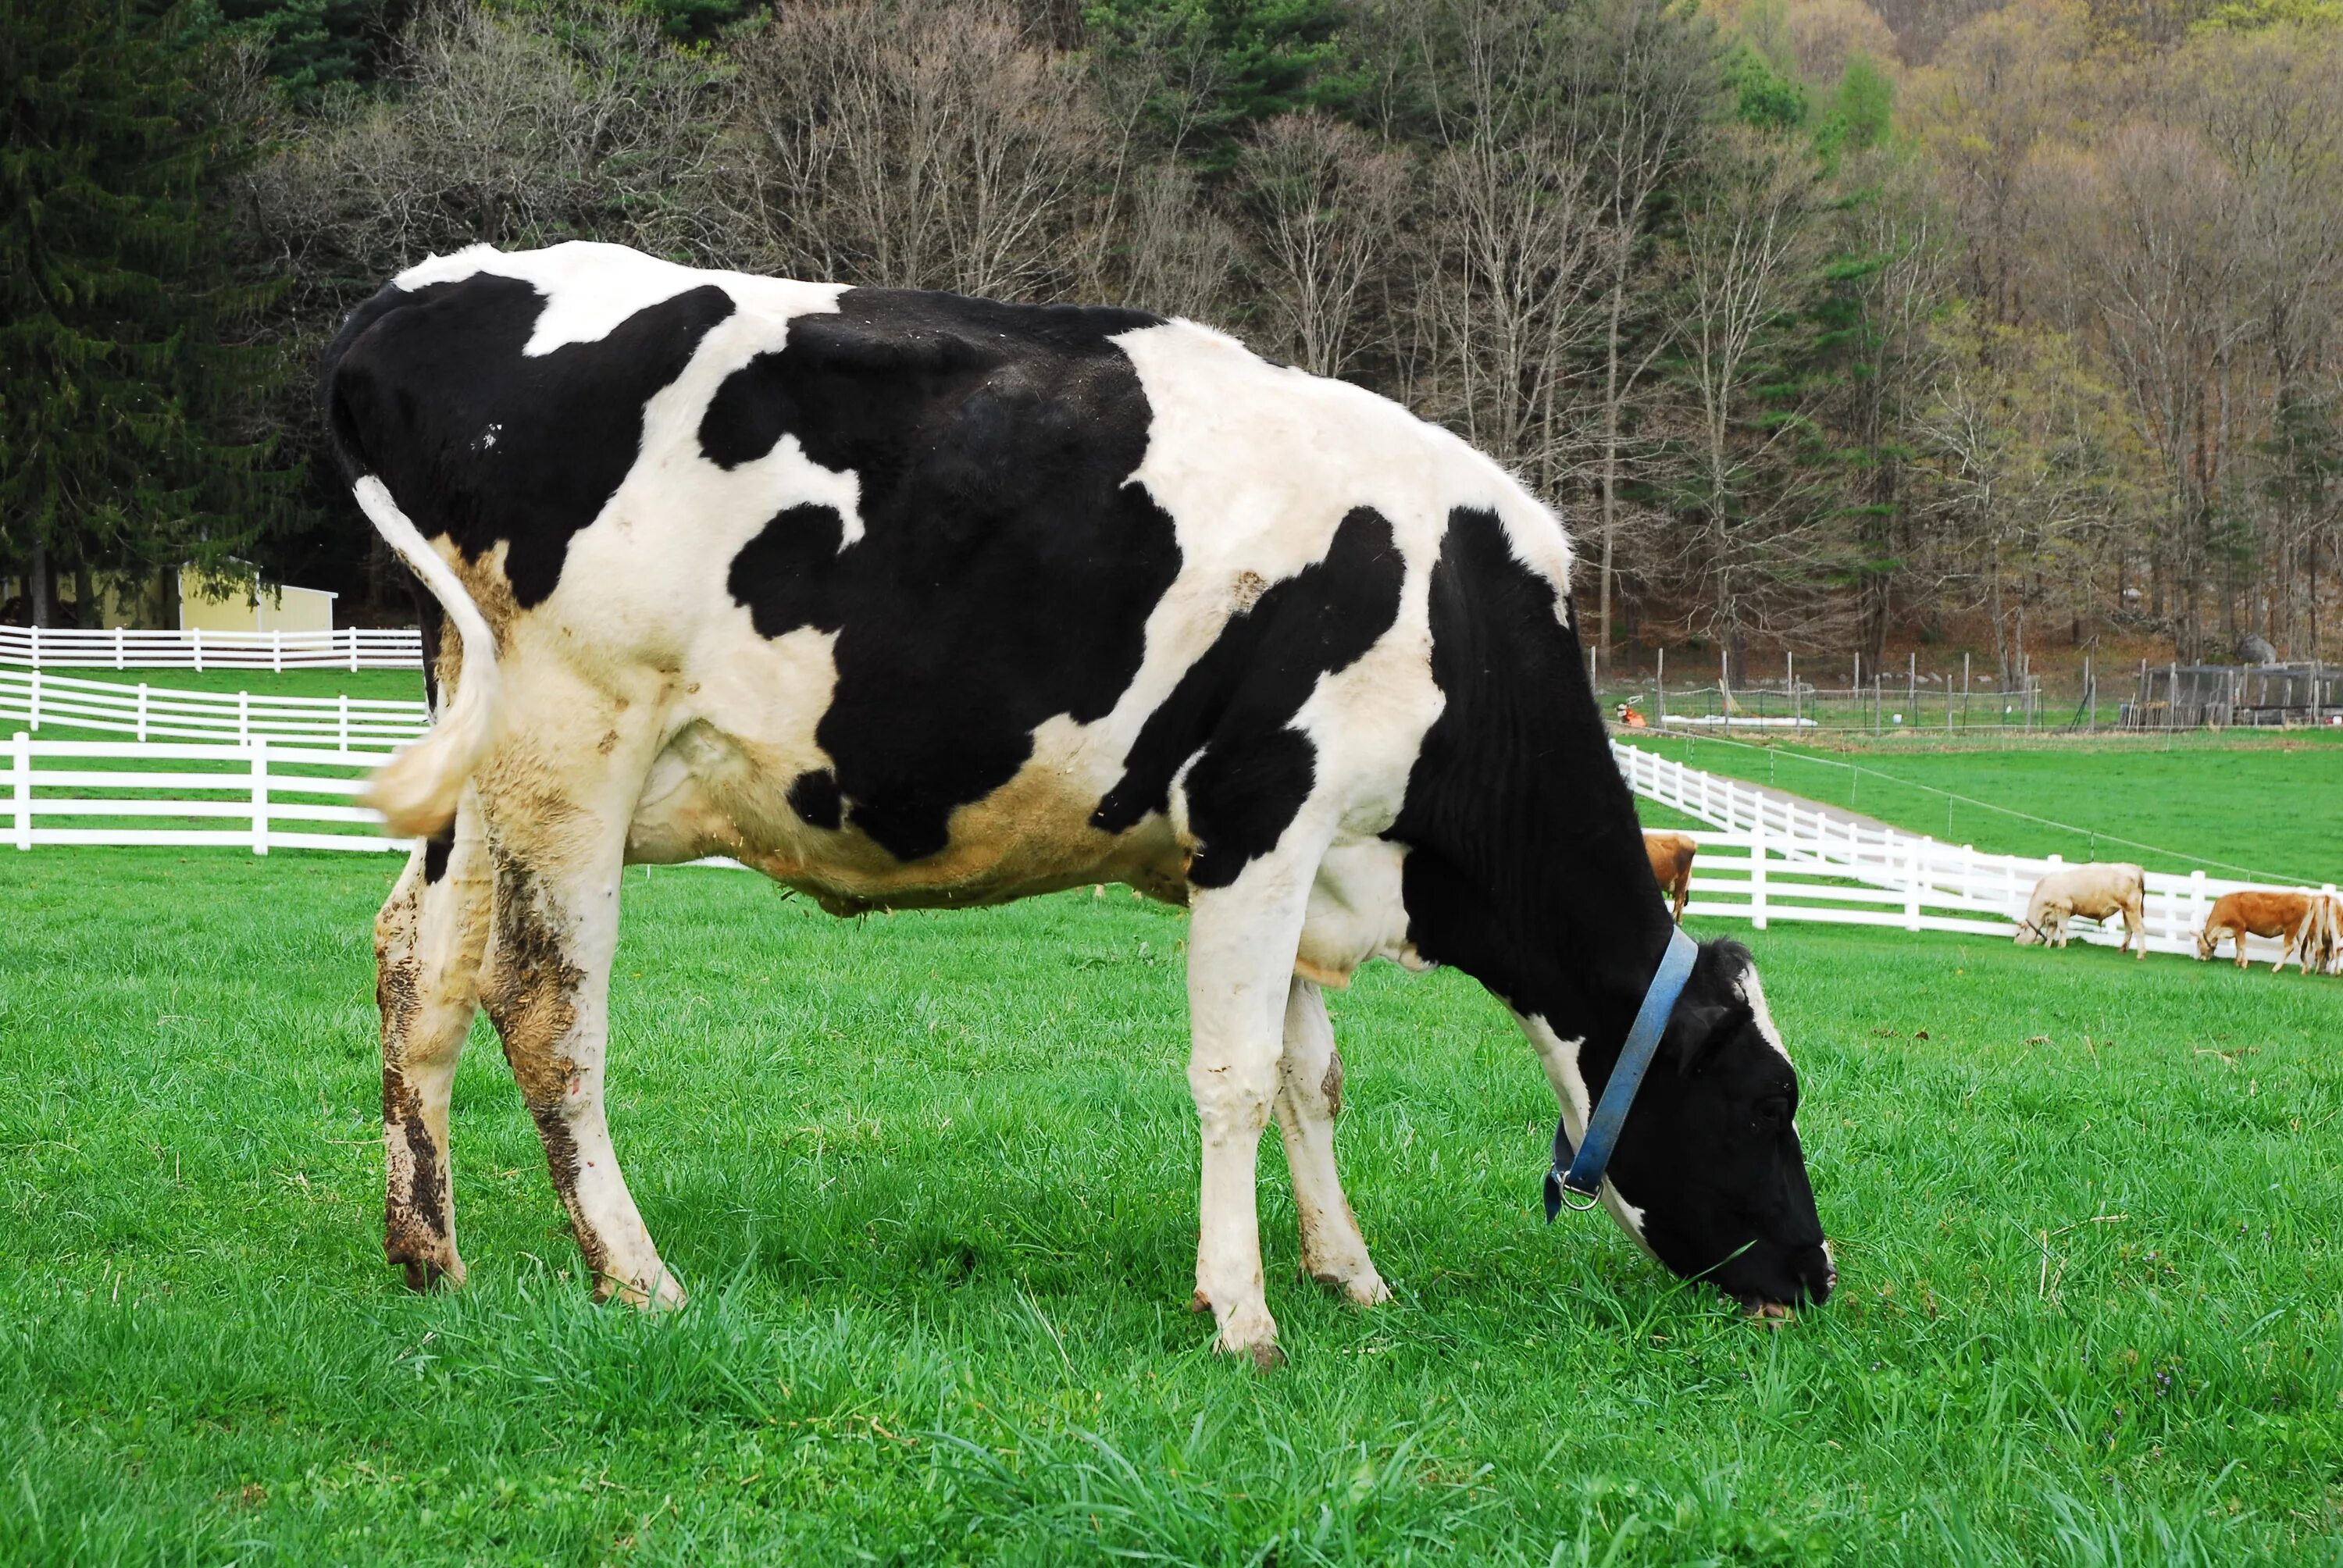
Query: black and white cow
[(908, 599)]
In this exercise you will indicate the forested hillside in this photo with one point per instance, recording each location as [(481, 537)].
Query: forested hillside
[(1826, 326)]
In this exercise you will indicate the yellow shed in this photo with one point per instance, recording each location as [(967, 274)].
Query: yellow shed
[(209, 601)]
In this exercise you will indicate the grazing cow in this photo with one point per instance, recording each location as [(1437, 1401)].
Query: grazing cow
[(2297, 919), (2323, 943), (1671, 856), (908, 599), (2098, 892)]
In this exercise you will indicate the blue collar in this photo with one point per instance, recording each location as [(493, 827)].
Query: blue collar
[(1583, 1176)]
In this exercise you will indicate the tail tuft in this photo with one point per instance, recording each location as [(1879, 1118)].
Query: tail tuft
[(416, 791)]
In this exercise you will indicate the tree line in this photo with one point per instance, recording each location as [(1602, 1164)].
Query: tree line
[(1824, 326)]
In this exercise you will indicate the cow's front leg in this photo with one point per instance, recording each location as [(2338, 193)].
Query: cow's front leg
[(1241, 946), (546, 983), (427, 941), (1309, 1099)]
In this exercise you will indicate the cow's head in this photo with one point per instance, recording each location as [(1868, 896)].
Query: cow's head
[(1709, 1164)]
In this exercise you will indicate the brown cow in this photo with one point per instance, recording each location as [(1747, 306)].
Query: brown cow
[(2290, 917), (1671, 856)]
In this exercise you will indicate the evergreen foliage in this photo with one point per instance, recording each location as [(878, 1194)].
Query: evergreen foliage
[(120, 378)]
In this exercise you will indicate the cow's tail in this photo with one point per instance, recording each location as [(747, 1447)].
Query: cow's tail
[(416, 791)]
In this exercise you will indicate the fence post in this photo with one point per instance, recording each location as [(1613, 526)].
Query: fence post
[(276, 650), (342, 718), (1757, 872), (2196, 904), (117, 648), (1660, 692), (244, 716), (196, 637), (259, 796), (1910, 884), (354, 648), (35, 709), (142, 710), (21, 774)]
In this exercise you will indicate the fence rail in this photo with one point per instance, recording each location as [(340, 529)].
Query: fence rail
[(351, 647), (1763, 858), (93, 791), (39, 699), (1775, 859)]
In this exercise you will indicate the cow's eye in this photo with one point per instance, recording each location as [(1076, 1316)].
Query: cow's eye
[(1773, 1110)]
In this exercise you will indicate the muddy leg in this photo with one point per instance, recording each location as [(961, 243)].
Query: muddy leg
[(428, 943), (1309, 1099), (546, 984)]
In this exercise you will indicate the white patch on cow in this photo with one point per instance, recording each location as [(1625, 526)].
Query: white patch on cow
[(1561, 1059), (1754, 993), (590, 288)]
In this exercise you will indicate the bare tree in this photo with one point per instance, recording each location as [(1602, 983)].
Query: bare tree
[(1642, 76), (919, 144), (1515, 232), (1323, 200), (2147, 237), (1753, 553)]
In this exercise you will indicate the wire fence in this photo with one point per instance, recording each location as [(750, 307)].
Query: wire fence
[(1954, 697)]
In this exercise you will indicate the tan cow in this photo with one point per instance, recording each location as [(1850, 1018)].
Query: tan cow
[(2326, 939), (1671, 856), (2297, 919), (2098, 892)]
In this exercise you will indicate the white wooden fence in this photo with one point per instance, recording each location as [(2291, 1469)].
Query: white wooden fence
[(36, 698), (1777, 860), (352, 648), (261, 796), (1766, 859)]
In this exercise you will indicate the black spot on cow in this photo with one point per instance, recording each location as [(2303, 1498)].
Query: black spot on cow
[(430, 392), (1006, 567), (814, 798), (1514, 780), (787, 575), (1236, 705), (436, 851)]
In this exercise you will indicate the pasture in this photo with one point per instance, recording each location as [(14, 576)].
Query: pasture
[(2270, 803), (931, 1178)]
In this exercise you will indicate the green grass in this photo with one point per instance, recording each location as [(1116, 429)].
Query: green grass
[(407, 684), (2263, 804), (931, 1177)]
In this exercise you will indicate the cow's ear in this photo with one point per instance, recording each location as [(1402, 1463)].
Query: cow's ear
[(1699, 1028)]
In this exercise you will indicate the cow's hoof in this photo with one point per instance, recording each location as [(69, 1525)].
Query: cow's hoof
[(662, 1292), (1251, 1331), (438, 1269), (1771, 1314), (1362, 1286)]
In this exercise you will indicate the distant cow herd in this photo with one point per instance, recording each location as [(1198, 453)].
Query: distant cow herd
[(2309, 926)]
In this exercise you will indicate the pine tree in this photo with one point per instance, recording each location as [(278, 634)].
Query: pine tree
[(119, 383)]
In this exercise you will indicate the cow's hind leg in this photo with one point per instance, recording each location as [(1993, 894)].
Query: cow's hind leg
[(1309, 1099), (427, 945), (546, 984)]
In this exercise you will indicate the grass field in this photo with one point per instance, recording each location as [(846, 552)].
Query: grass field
[(404, 684), (2264, 803), (932, 1179)]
